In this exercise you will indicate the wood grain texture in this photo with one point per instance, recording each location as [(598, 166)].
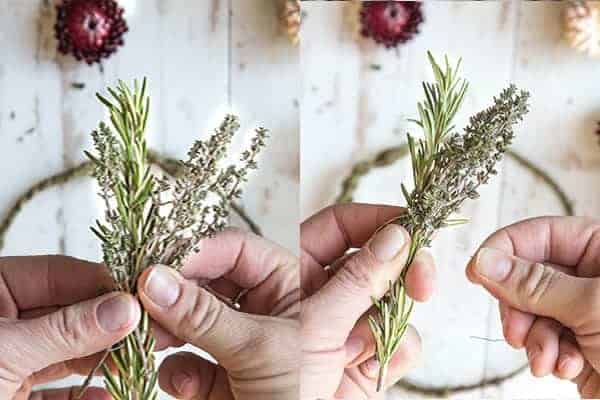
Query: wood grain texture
[(356, 98), (202, 59)]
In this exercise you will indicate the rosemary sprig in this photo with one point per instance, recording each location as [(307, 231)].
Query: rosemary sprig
[(142, 227), (447, 169)]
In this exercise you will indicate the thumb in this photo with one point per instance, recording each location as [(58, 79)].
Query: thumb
[(196, 316), (532, 287), (365, 275), (71, 332)]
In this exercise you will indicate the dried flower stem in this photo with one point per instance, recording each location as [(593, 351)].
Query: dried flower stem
[(447, 169)]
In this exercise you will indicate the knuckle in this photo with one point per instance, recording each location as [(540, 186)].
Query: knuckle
[(536, 284), (586, 319), (356, 275), (67, 327), (202, 317)]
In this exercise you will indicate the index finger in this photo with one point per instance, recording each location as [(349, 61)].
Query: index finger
[(44, 281), (242, 257), (572, 242), (328, 234)]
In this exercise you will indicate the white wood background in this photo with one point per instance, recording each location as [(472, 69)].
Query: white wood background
[(202, 59), (350, 111)]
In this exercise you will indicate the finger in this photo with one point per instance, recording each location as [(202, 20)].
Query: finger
[(360, 345), (92, 393), (327, 235), (335, 308), (81, 366), (187, 376), (42, 281), (163, 338), (420, 277), (76, 331), (360, 382), (570, 360), (566, 241), (542, 346), (194, 315), (533, 287), (588, 382), (251, 262), (515, 325)]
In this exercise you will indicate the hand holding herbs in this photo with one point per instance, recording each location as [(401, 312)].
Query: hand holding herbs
[(257, 347), (337, 345), (544, 272), (149, 220), (447, 168), (50, 331)]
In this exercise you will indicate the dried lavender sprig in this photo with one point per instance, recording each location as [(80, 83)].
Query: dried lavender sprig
[(446, 173), (193, 214), (141, 229)]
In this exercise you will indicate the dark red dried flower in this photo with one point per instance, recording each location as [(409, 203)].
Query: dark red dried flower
[(390, 23), (89, 29)]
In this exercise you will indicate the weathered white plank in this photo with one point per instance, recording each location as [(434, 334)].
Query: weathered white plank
[(30, 136), (265, 77)]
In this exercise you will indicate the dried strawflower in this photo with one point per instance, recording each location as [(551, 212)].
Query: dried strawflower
[(389, 23), (581, 22), (291, 19), (447, 168), (149, 220), (90, 30)]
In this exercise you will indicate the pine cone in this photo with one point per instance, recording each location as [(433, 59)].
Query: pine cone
[(291, 19), (582, 26)]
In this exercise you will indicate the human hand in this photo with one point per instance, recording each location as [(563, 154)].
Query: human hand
[(338, 348), (256, 347), (545, 272), (52, 323)]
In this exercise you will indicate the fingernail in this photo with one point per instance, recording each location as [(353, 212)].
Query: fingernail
[(493, 264), (371, 368), (354, 348), (162, 287), (388, 242), (116, 313), (180, 381), (564, 363)]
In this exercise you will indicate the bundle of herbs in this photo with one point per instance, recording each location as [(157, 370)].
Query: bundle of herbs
[(448, 168), (149, 220)]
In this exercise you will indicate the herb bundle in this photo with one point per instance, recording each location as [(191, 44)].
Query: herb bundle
[(149, 220), (447, 169)]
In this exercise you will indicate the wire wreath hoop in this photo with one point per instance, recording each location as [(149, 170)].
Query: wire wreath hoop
[(169, 165), (388, 157)]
